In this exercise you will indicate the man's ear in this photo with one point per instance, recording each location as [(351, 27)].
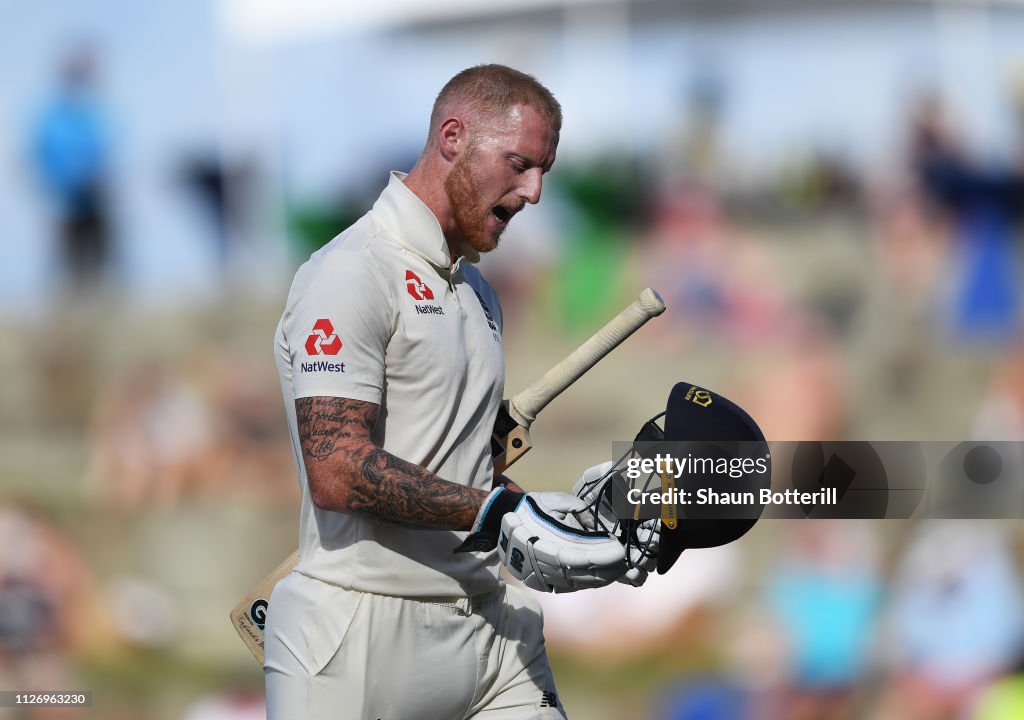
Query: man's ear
[(451, 138)]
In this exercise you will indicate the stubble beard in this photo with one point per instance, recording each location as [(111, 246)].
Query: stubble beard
[(468, 208)]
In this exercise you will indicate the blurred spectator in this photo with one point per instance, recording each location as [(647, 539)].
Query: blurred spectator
[(224, 190), (152, 438), (800, 388), (693, 146), (253, 457), (824, 596), (822, 181), (909, 250), (623, 621), (955, 621), (982, 203), (705, 698), (49, 611), (1001, 415), (212, 426), (720, 285), (71, 155), (901, 319)]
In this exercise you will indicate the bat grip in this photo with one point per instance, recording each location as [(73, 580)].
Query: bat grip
[(525, 406)]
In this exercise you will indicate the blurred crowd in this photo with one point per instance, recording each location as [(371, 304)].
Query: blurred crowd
[(830, 303), (826, 621)]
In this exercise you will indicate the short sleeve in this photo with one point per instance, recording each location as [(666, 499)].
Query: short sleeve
[(337, 326)]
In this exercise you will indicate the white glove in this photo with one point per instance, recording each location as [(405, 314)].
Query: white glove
[(542, 543), (547, 550), (590, 488), (593, 489)]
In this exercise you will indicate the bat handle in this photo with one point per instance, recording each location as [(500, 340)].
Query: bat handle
[(525, 406)]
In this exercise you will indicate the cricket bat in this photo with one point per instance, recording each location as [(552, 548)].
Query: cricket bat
[(510, 440)]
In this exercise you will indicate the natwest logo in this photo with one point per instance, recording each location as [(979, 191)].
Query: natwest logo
[(416, 287), (323, 341)]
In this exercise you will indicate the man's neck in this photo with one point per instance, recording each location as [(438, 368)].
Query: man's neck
[(423, 181)]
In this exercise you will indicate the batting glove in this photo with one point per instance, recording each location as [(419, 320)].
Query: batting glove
[(641, 538), (543, 545)]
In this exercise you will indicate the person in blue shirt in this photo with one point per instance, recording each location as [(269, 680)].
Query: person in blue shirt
[(71, 157)]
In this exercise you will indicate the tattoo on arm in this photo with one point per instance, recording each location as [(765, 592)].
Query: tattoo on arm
[(348, 473)]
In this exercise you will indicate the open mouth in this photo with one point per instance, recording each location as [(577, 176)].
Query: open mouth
[(503, 215)]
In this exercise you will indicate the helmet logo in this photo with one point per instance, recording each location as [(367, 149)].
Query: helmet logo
[(698, 396)]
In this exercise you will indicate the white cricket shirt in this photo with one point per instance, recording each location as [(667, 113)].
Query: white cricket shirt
[(381, 314)]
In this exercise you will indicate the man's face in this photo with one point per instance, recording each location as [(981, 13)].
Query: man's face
[(500, 171)]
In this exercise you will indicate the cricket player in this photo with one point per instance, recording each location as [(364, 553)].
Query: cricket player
[(391, 364)]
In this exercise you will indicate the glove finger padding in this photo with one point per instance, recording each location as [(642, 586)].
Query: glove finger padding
[(634, 576), (643, 551), (641, 540), (588, 484), (590, 488), (547, 554)]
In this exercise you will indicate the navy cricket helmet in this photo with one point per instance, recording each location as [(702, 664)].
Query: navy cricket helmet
[(708, 459)]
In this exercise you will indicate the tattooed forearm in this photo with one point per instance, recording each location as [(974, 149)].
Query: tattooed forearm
[(348, 473), (397, 491)]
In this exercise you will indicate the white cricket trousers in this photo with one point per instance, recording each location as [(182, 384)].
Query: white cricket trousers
[(337, 654)]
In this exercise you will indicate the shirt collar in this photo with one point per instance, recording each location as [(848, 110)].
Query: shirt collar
[(413, 225)]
